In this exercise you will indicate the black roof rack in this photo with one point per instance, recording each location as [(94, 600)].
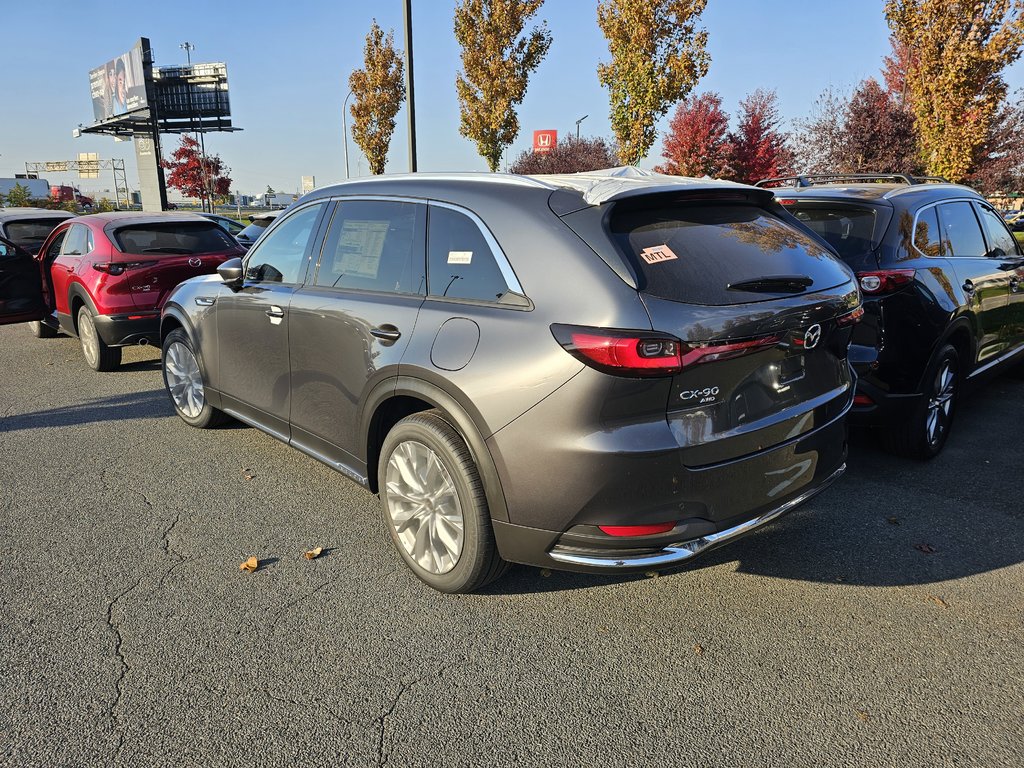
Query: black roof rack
[(810, 179)]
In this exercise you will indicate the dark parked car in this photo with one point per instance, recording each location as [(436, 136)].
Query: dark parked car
[(600, 372), (104, 277), (231, 226), (29, 227), (258, 224), (942, 282)]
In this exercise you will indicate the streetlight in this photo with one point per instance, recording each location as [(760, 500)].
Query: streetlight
[(344, 127), (578, 126)]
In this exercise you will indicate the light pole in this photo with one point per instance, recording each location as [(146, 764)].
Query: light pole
[(578, 126), (344, 127), (188, 47), (409, 86)]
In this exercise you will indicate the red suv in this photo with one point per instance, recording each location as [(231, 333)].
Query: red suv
[(105, 277)]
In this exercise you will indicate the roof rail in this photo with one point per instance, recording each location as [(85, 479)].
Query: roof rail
[(810, 179)]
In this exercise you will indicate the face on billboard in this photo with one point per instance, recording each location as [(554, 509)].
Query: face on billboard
[(119, 86)]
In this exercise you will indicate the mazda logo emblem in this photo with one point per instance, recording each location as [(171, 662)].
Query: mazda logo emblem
[(812, 336), (194, 262)]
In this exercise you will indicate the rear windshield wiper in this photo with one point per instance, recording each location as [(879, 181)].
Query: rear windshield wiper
[(774, 284), (167, 249)]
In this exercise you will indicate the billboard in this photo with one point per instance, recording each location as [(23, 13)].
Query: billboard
[(544, 141), (119, 86)]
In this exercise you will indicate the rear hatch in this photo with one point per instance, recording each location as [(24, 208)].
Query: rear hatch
[(763, 310), (155, 257), (854, 229)]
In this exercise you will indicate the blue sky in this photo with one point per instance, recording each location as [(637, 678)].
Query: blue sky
[(288, 66)]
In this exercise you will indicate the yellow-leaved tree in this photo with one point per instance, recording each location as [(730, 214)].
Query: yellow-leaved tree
[(379, 92), (958, 50), (497, 60), (658, 55)]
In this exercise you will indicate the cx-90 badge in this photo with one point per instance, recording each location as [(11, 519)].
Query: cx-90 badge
[(812, 336)]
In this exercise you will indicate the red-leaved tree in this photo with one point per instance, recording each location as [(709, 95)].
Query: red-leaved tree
[(194, 177), (695, 144), (569, 155), (999, 162), (758, 149), (879, 134)]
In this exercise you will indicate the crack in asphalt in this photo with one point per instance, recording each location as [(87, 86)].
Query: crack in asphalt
[(167, 549), (115, 721), (383, 759), (145, 498)]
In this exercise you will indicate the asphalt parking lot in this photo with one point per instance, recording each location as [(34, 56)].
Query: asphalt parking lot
[(880, 624)]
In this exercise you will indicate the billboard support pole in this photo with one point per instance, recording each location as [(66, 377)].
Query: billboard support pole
[(409, 86)]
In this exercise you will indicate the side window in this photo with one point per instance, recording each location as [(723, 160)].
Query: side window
[(281, 256), (77, 241), (374, 245), (960, 229), (927, 237), (54, 250), (1000, 242), (460, 262)]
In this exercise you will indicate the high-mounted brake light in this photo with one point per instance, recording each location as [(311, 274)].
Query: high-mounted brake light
[(884, 280), (639, 353)]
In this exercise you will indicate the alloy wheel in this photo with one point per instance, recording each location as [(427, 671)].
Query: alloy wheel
[(184, 380), (90, 340), (424, 507), (940, 404)]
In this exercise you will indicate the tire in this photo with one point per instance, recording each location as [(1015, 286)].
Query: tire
[(98, 355), (41, 330), (183, 378), (924, 434), (424, 461)]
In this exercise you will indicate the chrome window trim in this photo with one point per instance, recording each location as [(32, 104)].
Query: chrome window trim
[(936, 204), (504, 266)]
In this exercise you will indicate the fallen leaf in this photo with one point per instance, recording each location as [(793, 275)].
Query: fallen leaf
[(313, 554), (894, 521), (926, 548), (249, 474), (250, 565), (652, 574), (698, 648), (938, 601), (862, 715), (545, 572)]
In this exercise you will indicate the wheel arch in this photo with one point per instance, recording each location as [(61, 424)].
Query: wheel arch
[(78, 296), (393, 399)]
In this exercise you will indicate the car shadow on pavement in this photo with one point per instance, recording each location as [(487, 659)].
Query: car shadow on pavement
[(888, 521), (153, 404)]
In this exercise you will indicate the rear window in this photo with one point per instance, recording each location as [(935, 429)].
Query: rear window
[(30, 230), (179, 237), (847, 228), (694, 252)]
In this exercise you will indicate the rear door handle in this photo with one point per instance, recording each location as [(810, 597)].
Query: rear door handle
[(275, 312), (386, 333)]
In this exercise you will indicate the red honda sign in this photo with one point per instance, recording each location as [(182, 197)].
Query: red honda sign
[(544, 141)]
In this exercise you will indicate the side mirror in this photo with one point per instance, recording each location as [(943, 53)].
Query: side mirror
[(231, 271)]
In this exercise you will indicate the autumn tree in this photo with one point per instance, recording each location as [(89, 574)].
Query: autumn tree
[(497, 60), (657, 57), (379, 92), (195, 174), (695, 144), (954, 78), (758, 149), (999, 162), (570, 155), (819, 140), (878, 135)]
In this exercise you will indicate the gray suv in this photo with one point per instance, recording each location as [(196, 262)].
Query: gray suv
[(600, 372)]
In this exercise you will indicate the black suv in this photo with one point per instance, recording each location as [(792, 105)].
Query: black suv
[(941, 277), (605, 371)]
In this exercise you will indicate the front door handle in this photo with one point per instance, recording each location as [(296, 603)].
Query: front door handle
[(1014, 284), (275, 312), (386, 333)]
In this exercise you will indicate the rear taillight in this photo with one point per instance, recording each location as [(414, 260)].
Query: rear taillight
[(110, 269), (639, 353), (884, 280)]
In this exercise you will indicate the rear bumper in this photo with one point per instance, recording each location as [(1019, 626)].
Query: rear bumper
[(570, 491), (684, 550), (124, 330)]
